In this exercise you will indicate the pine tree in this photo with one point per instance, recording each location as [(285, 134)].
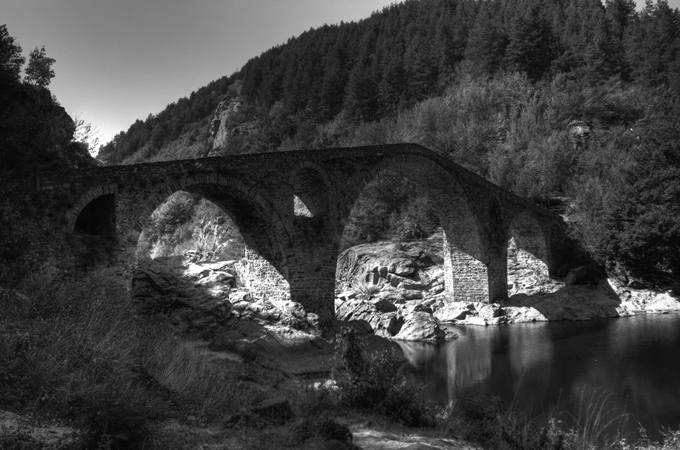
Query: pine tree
[(487, 42), (11, 60), (532, 46)]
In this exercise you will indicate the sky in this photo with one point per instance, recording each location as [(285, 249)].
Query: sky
[(119, 60)]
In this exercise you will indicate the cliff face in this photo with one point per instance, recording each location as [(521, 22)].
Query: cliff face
[(219, 126), (34, 128), (36, 133), (229, 122)]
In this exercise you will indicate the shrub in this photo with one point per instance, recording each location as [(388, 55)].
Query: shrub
[(376, 385)]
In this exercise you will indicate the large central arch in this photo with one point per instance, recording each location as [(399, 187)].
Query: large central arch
[(465, 255), (262, 230)]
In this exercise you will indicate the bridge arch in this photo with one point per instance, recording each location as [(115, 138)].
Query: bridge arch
[(465, 254), (94, 212), (263, 231), (528, 247), (311, 190)]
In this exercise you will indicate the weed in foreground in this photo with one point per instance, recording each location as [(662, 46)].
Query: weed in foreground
[(595, 424), (69, 351)]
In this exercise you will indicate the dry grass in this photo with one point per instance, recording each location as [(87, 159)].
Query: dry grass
[(78, 352)]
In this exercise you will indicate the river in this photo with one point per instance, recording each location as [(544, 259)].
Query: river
[(548, 366)]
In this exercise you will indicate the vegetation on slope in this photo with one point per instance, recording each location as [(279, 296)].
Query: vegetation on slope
[(412, 51), (493, 85)]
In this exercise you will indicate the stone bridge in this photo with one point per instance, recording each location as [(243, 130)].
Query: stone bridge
[(291, 209)]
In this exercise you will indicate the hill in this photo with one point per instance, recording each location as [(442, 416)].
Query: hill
[(574, 99)]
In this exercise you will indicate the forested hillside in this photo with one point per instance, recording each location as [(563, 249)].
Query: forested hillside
[(413, 50), (499, 86)]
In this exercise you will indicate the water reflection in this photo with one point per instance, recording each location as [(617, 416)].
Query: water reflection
[(544, 365)]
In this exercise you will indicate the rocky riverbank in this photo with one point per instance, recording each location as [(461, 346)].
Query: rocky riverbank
[(267, 351), (389, 287)]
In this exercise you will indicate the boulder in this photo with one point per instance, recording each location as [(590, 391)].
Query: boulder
[(421, 326), (396, 280), (490, 311), (384, 306), (452, 311), (355, 310), (520, 314), (412, 295), (475, 320), (389, 325)]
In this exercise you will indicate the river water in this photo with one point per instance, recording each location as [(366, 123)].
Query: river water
[(548, 366)]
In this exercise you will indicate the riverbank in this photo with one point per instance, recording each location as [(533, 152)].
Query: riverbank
[(397, 291), (606, 300), (81, 368)]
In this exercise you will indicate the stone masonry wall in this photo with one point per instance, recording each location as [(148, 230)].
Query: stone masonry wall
[(258, 190), (262, 279)]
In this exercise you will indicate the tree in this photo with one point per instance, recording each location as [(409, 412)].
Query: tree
[(10, 55), (531, 47), (39, 70), (87, 133), (486, 43)]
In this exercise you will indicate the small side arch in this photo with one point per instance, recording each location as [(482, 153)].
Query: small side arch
[(528, 247), (311, 190), (94, 212)]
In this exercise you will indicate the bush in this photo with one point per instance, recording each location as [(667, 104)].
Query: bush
[(376, 385)]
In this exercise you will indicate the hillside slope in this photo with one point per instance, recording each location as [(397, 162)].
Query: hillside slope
[(573, 99)]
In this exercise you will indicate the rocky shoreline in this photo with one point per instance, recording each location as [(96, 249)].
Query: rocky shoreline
[(395, 290), (386, 293), (389, 290)]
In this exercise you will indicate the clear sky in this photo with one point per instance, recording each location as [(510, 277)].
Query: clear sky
[(119, 60)]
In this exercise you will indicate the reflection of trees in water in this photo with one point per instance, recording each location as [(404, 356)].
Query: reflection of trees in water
[(553, 364), (638, 362), (481, 359)]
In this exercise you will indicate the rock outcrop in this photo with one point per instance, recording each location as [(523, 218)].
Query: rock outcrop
[(405, 276), (397, 272), (389, 290), (389, 287), (227, 122), (204, 296)]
